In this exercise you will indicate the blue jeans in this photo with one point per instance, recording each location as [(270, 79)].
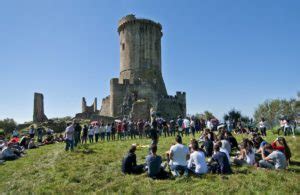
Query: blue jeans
[(187, 131), (177, 169), (69, 144)]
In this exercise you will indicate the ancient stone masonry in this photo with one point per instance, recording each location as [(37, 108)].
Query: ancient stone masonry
[(38, 108), (140, 87), (87, 111)]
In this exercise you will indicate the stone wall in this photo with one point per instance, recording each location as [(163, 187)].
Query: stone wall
[(105, 108), (140, 110)]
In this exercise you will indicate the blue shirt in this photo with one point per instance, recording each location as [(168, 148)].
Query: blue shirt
[(154, 164)]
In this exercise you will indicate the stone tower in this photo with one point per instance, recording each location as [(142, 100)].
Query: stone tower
[(140, 88), (140, 52), (38, 108)]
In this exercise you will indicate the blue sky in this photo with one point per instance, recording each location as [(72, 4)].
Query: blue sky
[(224, 54)]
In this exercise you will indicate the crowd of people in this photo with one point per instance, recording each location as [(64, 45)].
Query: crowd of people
[(128, 129), (215, 143), (214, 152), (14, 147)]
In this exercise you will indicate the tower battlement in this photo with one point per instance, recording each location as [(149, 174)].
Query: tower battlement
[(131, 19)]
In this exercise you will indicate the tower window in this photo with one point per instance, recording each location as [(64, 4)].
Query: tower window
[(123, 46)]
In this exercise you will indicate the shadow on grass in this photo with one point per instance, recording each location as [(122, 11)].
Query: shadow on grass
[(295, 163), (84, 149)]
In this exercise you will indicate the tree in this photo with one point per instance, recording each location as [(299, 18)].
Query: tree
[(208, 115), (273, 110), (235, 116), (8, 125)]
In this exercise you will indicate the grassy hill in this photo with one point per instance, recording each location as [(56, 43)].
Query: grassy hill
[(96, 168)]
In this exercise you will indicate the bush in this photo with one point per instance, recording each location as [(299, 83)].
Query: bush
[(8, 125)]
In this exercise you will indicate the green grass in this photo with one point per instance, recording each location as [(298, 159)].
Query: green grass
[(96, 168)]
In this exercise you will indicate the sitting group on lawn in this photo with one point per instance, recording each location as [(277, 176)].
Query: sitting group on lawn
[(210, 154), (15, 147)]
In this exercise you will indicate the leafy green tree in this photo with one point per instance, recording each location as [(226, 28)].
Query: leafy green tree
[(8, 125), (208, 115), (273, 110)]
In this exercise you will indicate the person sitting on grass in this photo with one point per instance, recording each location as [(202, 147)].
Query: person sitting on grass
[(179, 154), (31, 144), (224, 148), (24, 141), (49, 138), (231, 139), (281, 145), (153, 163), (275, 160), (208, 146), (129, 165), (247, 154), (197, 164), (219, 162)]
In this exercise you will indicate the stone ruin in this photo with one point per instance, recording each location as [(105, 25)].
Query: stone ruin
[(140, 88), (88, 112), (38, 108)]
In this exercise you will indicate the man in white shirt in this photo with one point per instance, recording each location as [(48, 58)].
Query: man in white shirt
[(69, 137), (197, 163), (263, 127), (179, 154), (187, 125)]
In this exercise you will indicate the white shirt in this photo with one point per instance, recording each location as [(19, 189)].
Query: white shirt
[(250, 158), (179, 152), (262, 124), (226, 152), (198, 159), (69, 132), (91, 131), (102, 129), (208, 124), (108, 129), (192, 123), (186, 123), (96, 129)]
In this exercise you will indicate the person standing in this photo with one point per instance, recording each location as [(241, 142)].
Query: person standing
[(40, 134), (102, 132), (108, 131), (31, 132), (186, 125), (172, 127), (91, 134), (140, 126), (180, 125), (113, 131), (263, 127), (153, 133), (119, 130), (84, 134), (193, 127), (96, 132), (69, 137), (77, 134)]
